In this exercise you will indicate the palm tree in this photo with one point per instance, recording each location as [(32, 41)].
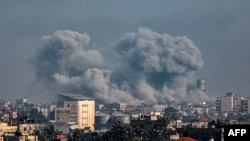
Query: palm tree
[(131, 133), (152, 135), (120, 131), (164, 122), (95, 136), (38, 134), (49, 132), (138, 132), (81, 136), (107, 136)]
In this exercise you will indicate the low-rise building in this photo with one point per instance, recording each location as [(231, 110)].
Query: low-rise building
[(6, 129), (21, 132)]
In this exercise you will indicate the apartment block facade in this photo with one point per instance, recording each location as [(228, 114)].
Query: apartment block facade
[(231, 102), (78, 109)]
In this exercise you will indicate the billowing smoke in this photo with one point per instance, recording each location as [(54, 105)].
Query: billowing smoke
[(149, 67)]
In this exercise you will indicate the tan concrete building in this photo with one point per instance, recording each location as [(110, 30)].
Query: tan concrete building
[(26, 131), (231, 102), (227, 104), (5, 129), (76, 108), (27, 128)]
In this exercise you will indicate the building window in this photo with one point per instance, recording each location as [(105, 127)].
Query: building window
[(84, 105)]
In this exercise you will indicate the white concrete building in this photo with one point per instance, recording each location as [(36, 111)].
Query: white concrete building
[(76, 108)]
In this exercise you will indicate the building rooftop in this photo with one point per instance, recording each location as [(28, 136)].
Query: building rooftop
[(74, 96)]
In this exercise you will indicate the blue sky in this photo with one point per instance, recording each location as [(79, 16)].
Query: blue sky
[(220, 29)]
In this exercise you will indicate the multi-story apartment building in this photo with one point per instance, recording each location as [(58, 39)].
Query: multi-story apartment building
[(76, 108), (231, 102)]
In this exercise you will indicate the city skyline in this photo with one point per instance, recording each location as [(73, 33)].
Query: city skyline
[(219, 30)]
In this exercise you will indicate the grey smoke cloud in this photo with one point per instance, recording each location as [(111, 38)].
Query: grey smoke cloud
[(62, 56), (150, 67), (154, 52)]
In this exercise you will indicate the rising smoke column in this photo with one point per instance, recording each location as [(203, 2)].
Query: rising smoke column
[(62, 55), (63, 64), (162, 66), (151, 67)]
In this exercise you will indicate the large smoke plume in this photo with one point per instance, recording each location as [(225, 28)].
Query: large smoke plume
[(149, 67)]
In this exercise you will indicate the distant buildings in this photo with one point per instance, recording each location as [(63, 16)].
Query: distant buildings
[(231, 102), (202, 120), (116, 106), (24, 131), (76, 108)]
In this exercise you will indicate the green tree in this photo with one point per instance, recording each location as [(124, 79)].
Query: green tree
[(107, 136), (81, 136), (78, 134), (38, 134), (49, 132), (164, 122), (138, 133), (131, 133), (120, 132), (152, 135)]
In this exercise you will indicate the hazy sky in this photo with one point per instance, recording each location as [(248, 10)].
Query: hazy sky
[(220, 29)]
